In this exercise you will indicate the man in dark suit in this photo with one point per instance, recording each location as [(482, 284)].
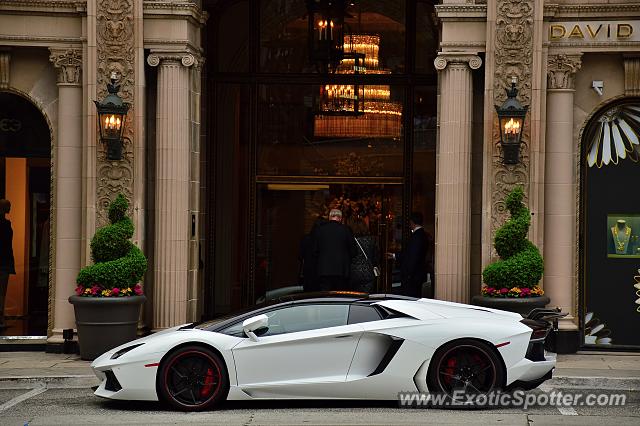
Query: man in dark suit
[(334, 247), (413, 258)]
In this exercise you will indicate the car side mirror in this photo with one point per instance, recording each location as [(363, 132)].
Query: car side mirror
[(254, 323)]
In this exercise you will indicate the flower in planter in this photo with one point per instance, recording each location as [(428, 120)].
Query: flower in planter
[(118, 264), (520, 267)]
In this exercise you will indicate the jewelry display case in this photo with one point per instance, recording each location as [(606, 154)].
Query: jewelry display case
[(623, 231)]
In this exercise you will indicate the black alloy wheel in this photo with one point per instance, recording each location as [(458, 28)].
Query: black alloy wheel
[(193, 378), (465, 367)]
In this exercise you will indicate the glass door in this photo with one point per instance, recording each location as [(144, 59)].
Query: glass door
[(287, 213)]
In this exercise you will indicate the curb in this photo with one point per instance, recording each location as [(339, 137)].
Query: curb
[(88, 381), (53, 382), (608, 383)]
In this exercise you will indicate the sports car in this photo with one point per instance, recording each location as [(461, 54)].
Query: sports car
[(337, 345)]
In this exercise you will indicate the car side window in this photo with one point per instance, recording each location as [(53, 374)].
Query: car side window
[(306, 317), (296, 318), (363, 313)]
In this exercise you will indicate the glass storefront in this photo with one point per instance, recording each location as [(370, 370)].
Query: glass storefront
[(25, 176), (287, 142), (610, 272)]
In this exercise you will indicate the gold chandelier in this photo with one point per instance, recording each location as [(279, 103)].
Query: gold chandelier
[(358, 111)]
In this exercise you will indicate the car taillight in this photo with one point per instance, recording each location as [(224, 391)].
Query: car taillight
[(540, 329)]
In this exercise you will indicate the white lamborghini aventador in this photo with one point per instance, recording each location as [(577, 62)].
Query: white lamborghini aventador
[(332, 346)]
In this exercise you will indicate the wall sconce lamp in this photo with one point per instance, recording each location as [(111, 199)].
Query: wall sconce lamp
[(511, 116), (112, 113)]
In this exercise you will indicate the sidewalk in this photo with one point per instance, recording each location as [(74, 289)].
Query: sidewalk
[(594, 370)]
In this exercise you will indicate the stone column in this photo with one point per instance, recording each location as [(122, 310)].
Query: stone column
[(560, 203), (172, 213), (453, 184), (67, 187)]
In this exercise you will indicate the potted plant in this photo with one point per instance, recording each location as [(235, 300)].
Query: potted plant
[(511, 283), (109, 295)]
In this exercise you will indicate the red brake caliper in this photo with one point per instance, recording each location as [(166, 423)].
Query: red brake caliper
[(208, 383), (451, 366)]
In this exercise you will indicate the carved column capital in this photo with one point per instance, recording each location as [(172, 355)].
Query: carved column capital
[(185, 58), (69, 65), (446, 58), (561, 69)]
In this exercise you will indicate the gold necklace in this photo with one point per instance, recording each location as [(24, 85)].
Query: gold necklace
[(620, 244)]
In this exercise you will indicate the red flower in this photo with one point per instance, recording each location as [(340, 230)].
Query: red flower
[(138, 289), (504, 290), (95, 289), (79, 290), (115, 291)]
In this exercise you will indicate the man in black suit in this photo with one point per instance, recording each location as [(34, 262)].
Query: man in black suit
[(334, 247), (413, 258)]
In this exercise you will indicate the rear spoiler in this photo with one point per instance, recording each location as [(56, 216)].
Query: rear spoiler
[(549, 315)]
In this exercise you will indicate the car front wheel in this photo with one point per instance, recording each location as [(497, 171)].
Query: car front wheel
[(193, 378)]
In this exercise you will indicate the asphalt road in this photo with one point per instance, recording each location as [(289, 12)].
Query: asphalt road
[(42, 406)]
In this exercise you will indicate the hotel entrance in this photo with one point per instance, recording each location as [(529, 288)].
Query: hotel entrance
[(287, 140)]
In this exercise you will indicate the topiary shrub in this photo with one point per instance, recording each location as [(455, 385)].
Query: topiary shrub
[(118, 264), (520, 267)]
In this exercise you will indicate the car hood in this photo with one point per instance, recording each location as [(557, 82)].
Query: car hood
[(431, 309)]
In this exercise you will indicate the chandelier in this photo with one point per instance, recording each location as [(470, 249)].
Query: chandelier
[(342, 110)]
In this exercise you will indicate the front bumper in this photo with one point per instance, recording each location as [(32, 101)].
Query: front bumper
[(122, 380)]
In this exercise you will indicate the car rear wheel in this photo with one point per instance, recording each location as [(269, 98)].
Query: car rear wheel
[(465, 369), (193, 378)]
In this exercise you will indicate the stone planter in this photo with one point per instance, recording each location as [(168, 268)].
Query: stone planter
[(105, 322), (521, 305)]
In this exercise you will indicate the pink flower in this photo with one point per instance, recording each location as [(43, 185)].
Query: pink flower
[(79, 290), (504, 290), (115, 291), (526, 290), (138, 289), (95, 289)]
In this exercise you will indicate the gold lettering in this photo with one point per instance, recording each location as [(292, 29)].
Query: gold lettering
[(624, 31), (556, 32), (591, 33), (576, 32)]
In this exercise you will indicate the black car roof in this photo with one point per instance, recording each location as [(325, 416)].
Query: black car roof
[(298, 298)]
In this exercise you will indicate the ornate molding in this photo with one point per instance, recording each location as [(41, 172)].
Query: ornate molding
[(115, 39), (68, 7), (561, 69), (176, 9), (584, 10), (185, 58), (5, 64), (68, 62), (513, 58), (446, 58), (461, 12)]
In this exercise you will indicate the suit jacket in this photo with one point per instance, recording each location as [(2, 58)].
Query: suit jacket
[(334, 247), (413, 259), (6, 250)]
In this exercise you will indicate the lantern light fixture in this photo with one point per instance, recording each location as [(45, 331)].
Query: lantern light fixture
[(112, 114), (326, 33), (511, 115)]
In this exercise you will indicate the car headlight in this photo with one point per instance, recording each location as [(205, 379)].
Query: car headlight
[(123, 351)]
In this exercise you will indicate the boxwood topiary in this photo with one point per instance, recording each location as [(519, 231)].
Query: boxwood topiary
[(118, 263), (520, 264)]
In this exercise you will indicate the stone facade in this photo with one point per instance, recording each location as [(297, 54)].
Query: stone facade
[(59, 55)]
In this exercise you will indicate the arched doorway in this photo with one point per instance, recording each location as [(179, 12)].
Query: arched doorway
[(610, 226), (25, 176)]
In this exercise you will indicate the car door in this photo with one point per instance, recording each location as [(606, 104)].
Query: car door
[(309, 343)]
